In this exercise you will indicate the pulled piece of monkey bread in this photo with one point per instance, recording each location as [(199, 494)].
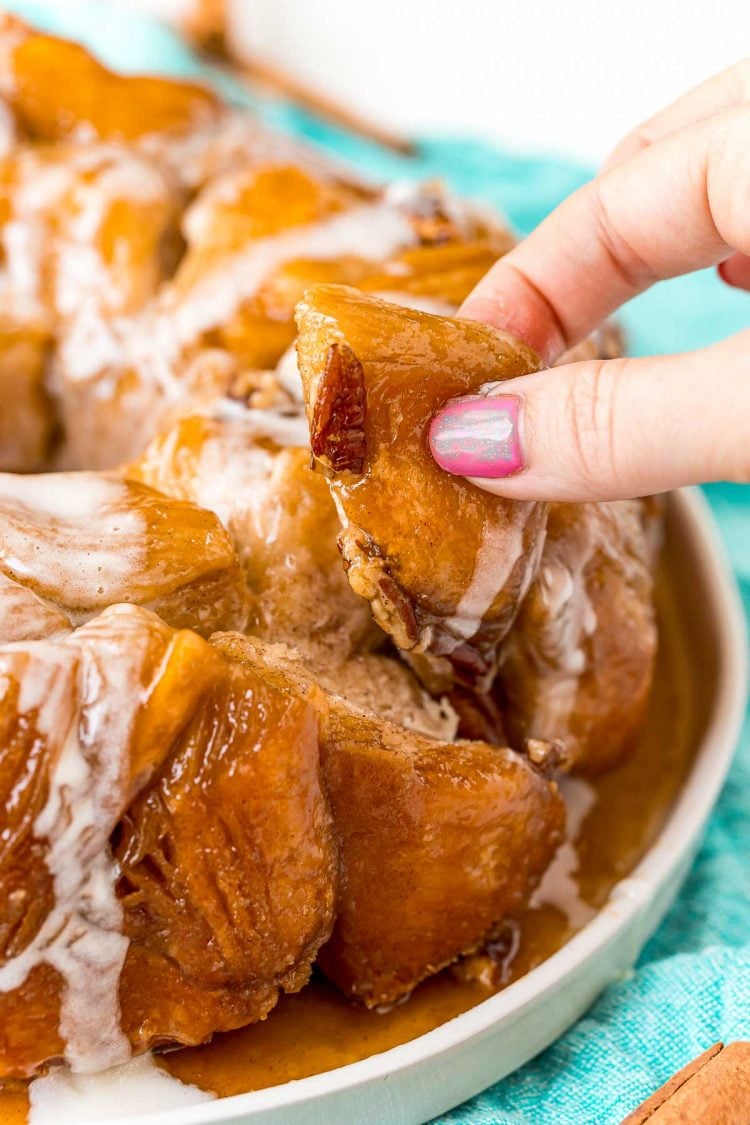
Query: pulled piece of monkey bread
[(443, 564)]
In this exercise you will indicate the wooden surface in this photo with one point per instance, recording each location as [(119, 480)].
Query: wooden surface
[(713, 1089)]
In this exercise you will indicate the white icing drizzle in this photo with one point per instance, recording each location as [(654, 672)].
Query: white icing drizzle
[(76, 532), (234, 142), (371, 231), (64, 497), (559, 886), (420, 198), (84, 695), (153, 342), (81, 936), (26, 617), (92, 345), (231, 482), (562, 587), (497, 555), (285, 427), (25, 236), (138, 1086), (561, 644), (82, 189), (237, 468), (288, 374), (83, 274)]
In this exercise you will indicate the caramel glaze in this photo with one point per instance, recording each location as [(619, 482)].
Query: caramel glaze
[(318, 1029)]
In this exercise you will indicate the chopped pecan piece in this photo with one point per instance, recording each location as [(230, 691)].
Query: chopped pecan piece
[(435, 228), (430, 215), (368, 576)]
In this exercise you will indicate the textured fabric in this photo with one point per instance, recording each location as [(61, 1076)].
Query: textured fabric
[(692, 983)]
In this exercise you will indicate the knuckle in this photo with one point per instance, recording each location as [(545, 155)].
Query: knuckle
[(631, 266), (590, 422), (727, 175), (738, 80)]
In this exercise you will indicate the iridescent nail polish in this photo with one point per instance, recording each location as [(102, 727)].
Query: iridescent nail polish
[(478, 436)]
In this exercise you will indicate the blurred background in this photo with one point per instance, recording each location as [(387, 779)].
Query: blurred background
[(538, 76), (512, 104)]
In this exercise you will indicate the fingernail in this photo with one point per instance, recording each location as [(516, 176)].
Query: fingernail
[(478, 437)]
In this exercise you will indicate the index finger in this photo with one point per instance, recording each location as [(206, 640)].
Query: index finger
[(677, 206)]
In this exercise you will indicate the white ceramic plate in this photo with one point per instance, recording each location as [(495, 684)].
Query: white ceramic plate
[(411, 1083)]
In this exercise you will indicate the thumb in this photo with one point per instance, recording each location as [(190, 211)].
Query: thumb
[(605, 429)]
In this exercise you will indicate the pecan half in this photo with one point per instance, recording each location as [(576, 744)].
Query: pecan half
[(337, 433)]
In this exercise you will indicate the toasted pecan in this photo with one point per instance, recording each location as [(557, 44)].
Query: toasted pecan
[(369, 577), (337, 434)]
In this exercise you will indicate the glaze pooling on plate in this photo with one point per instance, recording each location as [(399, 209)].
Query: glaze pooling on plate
[(559, 886), (138, 1086)]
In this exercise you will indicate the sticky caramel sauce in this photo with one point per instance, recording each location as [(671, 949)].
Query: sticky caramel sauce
[(318, 1029)]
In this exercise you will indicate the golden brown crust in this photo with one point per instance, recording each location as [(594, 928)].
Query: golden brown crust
[(56, 88), (226, 862), (161, 241), (263, 792), (27, 419), (83, 542), (439, 841), (228, 874), (246, 465), (579, 660), (439, 844)]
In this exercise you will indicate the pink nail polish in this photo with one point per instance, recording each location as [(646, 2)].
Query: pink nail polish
[(478, 437)]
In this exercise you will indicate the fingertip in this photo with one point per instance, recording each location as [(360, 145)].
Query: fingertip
[(509, 301), (735, 271), (478, 435), (510, 488)]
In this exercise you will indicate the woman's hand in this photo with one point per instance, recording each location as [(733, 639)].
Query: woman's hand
[(674, 197)]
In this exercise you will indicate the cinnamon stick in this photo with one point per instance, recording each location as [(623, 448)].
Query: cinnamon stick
[(281, 82), (714, 1088), (205, 23)]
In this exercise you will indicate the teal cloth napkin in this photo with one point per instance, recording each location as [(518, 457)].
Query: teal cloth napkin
[(691, 985)]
